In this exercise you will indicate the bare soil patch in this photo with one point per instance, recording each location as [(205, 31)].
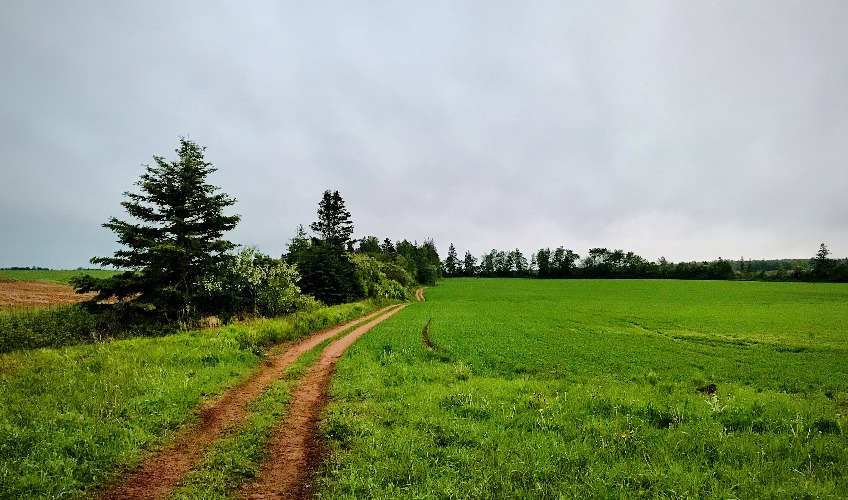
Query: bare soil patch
[(419, 295), (38, 294), (295, 449), (158, 475), (425, 337)]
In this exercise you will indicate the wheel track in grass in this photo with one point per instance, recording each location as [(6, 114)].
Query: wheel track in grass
[(157, 477), (295, 449)]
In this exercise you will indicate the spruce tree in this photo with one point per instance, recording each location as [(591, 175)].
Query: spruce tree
[(333, 226), (452, 263), (173, 239), (327, 272)]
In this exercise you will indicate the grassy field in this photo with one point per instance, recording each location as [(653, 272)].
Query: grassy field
[(51, 276), (72, 418), (597, 389)]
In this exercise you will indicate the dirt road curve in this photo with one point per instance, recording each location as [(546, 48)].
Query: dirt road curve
[(295, 450), (419, 295), (158, 476)]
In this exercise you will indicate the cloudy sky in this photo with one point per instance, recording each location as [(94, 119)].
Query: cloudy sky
[(690, 130)]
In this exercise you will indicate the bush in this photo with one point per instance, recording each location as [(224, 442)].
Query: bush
[(374, 281), (252, 283)]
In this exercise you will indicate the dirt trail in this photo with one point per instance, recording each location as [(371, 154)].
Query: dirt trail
[(295, 449), (419, 295), (158, 475)]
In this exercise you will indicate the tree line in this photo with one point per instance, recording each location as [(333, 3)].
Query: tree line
[(602, 263), (176, 267)]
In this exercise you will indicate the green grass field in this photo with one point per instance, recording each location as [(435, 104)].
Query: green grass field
[(590, 389), (51, 276)]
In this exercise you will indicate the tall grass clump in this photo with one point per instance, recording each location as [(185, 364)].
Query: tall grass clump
[(31, 328), (259, 333)]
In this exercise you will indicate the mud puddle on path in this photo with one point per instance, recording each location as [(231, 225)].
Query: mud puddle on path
[(294, 449), (158, 475)]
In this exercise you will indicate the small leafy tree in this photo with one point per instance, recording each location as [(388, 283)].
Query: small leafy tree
[(172, 241), (256, 284)]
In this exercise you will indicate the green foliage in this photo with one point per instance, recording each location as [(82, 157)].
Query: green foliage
[(597, 389), (452, 265), (327, 273), (173, 240), (369, 245), (253, 283), (45, 327), (421, 261), (72, 418), (375, 282)]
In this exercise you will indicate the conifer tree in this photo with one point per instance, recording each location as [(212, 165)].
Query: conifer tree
[(452, 263), (333, 225), (172, 241)]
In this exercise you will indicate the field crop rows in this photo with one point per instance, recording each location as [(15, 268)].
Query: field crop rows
[(605, 389)]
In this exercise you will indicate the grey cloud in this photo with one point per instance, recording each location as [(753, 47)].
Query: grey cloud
[(686, 130)]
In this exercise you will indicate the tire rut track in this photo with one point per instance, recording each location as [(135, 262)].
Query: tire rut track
[(295, 449), (158, 475)]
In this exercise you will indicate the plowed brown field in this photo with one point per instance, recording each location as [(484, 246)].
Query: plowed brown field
[(37, 294)]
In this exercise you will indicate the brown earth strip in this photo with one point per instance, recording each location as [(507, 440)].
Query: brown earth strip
[(38, 294), (419, 295), (425, 337), (295, 450), (158, 475)]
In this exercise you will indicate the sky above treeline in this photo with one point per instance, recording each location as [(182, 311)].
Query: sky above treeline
[(689, 130)]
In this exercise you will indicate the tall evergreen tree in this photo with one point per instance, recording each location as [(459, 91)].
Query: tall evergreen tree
[(469, 265), (325, 265), (543, 260), (821, 265), (387, 247), (173, 241), (452, 263), (333, 225)]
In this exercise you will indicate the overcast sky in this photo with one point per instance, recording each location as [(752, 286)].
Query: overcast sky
[(686, 129)]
